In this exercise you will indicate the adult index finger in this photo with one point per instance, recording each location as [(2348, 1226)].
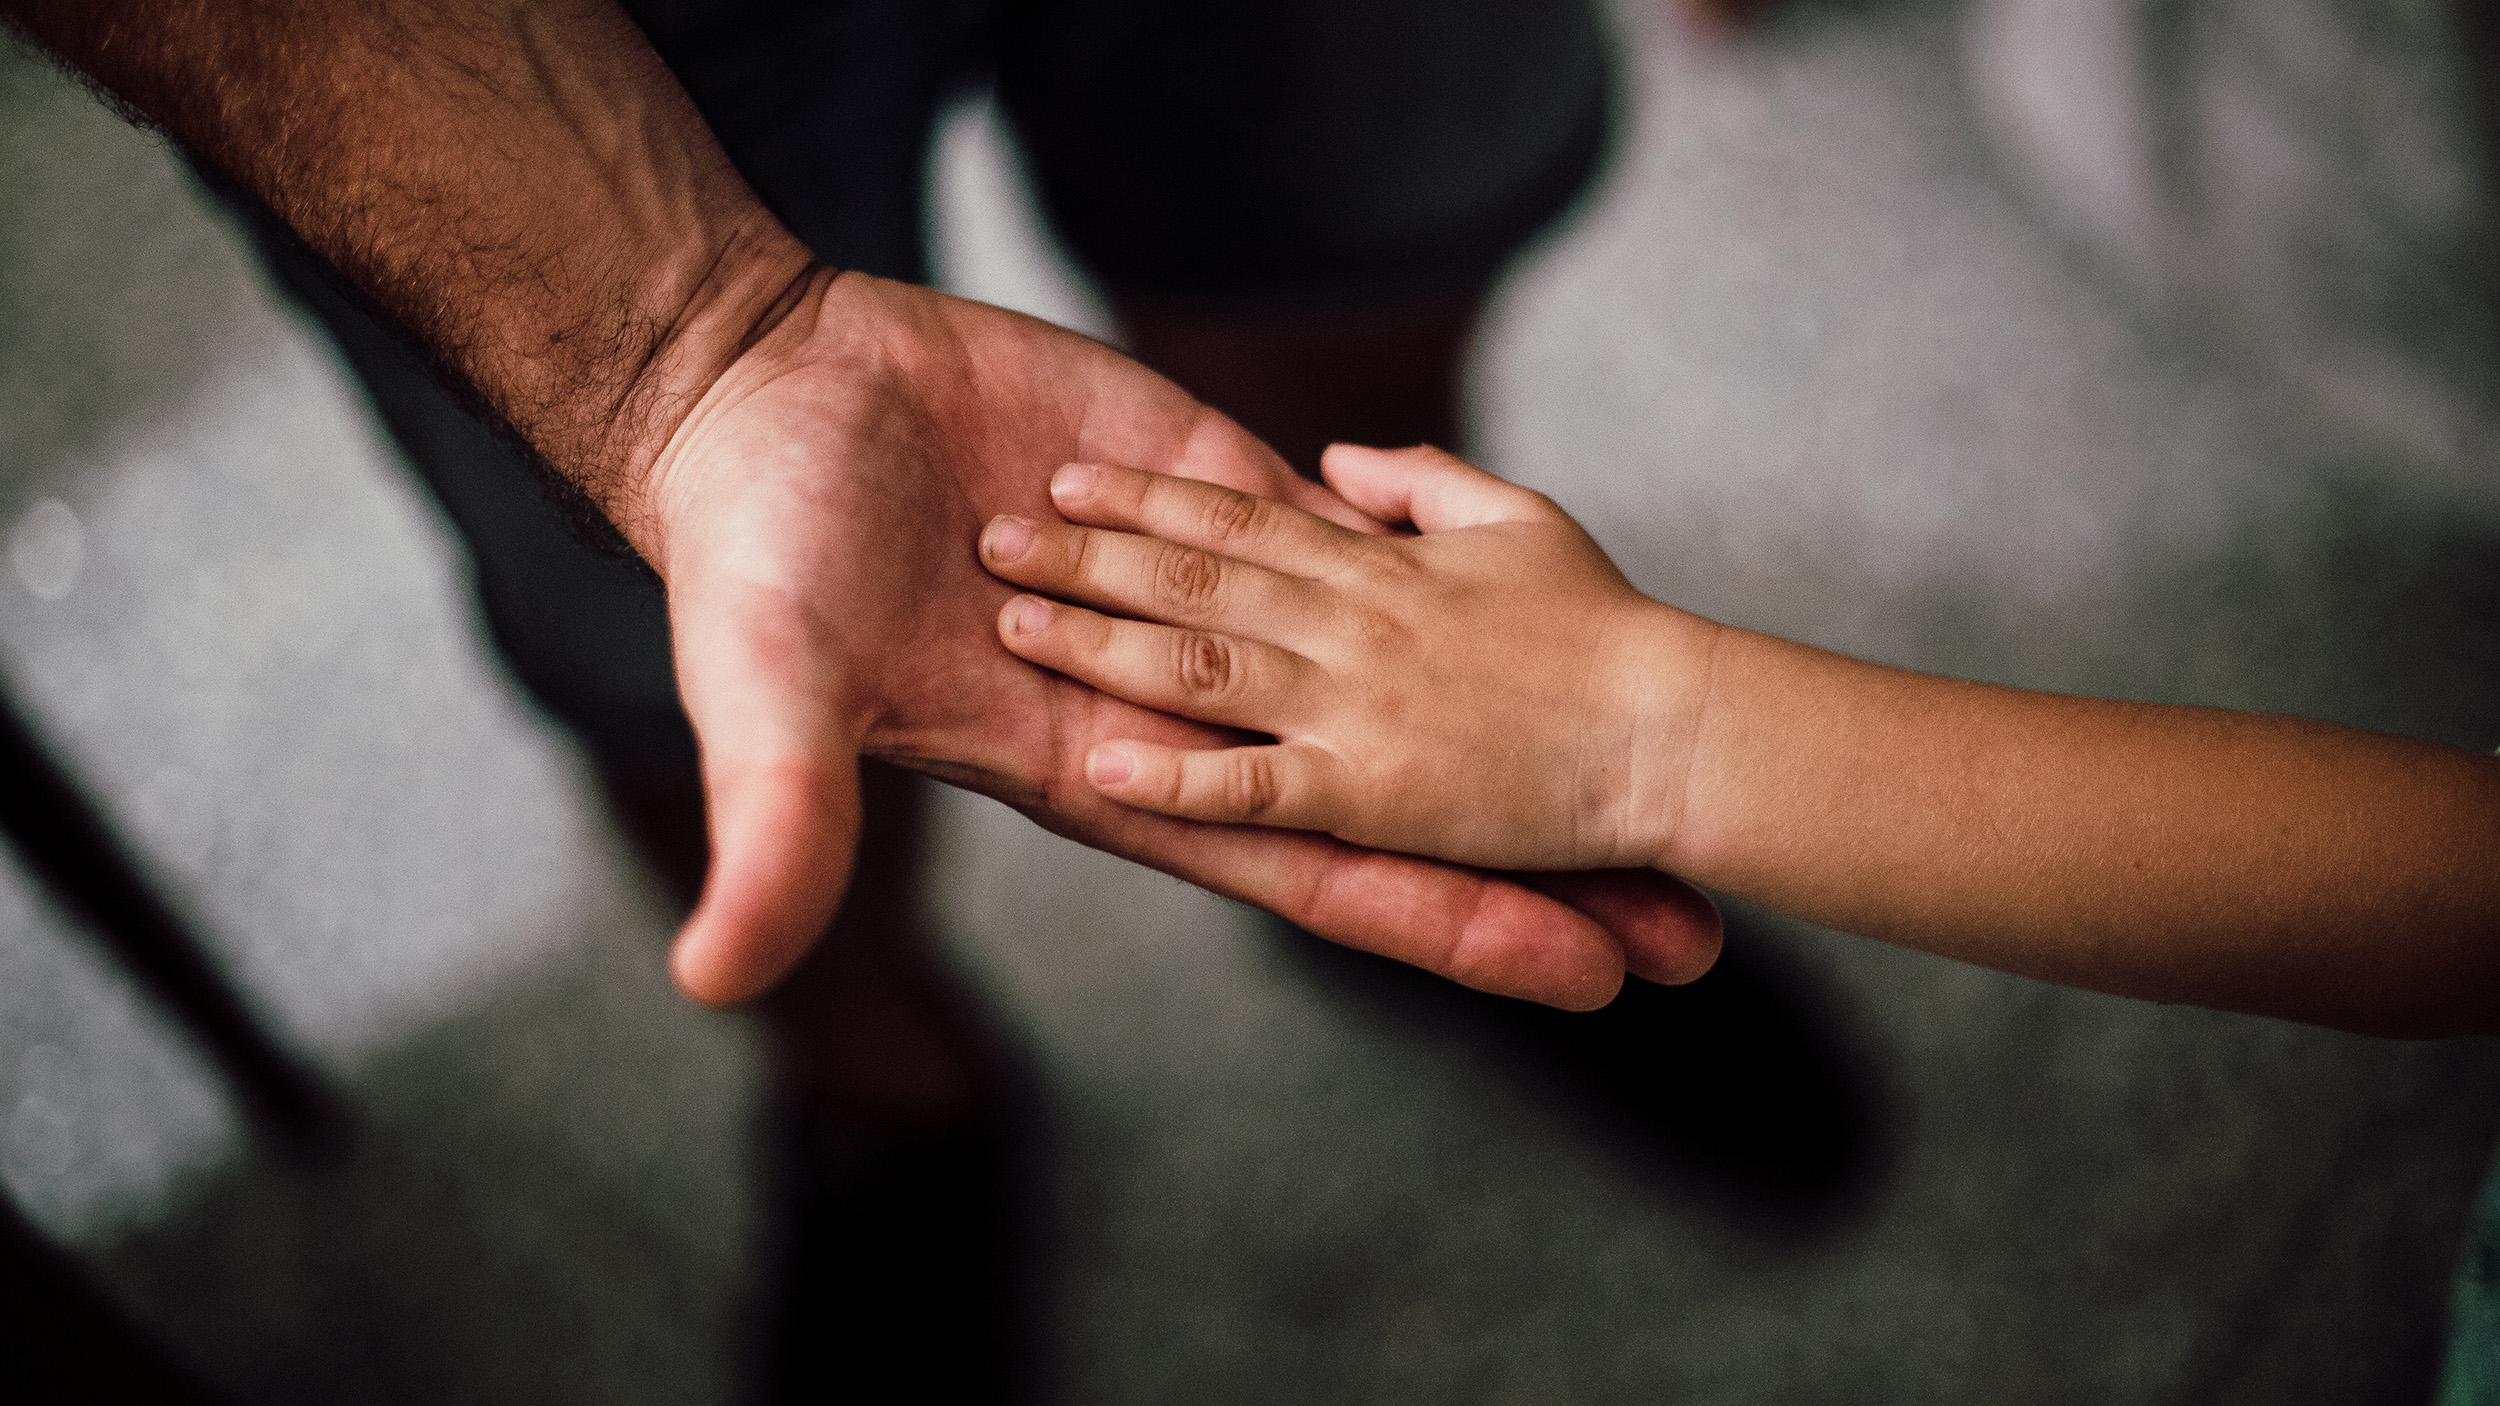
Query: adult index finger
[(1474, 928)]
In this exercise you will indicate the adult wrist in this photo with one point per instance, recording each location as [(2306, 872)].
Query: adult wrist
[(522, 184), (725, 297)]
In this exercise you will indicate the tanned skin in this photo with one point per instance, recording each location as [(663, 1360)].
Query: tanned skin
[(803, 456), (523, 186)]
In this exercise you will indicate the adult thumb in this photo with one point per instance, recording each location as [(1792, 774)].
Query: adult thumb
[(780, 791), (783, 838)]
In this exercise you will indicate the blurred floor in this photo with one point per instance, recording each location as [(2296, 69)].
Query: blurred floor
[(241, 623), (1832, 354)]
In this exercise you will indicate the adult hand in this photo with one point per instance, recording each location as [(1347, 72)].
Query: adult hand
[(814, 516), (806, 459)]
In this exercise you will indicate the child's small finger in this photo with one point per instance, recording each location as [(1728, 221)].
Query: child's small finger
[(1196, 674), (1204, 515), (1430, 488), (1144, 577), (1278, 785)]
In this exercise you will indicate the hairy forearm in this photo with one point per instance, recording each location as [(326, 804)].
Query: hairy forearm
[(2179, 854), (523, 185)]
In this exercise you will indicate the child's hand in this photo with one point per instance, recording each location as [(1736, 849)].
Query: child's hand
[(1492, 692)]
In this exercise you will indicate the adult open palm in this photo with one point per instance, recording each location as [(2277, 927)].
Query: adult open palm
[(814, 517)]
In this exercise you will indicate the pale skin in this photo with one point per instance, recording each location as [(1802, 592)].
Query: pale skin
[(1492, 690)]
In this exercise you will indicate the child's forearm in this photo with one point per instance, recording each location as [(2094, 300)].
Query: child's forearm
[(1494, 691), (2178, 854)]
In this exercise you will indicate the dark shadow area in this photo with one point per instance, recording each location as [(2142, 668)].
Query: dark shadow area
[(900, 1128), (908, 1277), (501, 1199), (520, 1188), (1738, 1090), (64, 1341)]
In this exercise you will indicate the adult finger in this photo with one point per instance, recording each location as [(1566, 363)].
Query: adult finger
[(1482, 931), (1213, 678), (1670, 930), (1142, 576), (1207, 516), (1432, 489)]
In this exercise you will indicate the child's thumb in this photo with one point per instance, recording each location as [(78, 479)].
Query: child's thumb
[(1430, 488)]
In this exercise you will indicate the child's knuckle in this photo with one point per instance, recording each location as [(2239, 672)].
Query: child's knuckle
[(1186, 581), (1377, 566), (1374, 632), (1228, 519), (1207, 665), (1251, 787), (1083, 556)]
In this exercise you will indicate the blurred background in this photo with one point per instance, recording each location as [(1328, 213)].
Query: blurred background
[(2133, 349)]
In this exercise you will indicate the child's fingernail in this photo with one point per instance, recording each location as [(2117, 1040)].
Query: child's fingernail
[(1074, 481), (1109, 766), (1007, 538), (1027, 615)]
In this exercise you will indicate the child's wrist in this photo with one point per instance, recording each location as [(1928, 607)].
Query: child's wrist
[(1657, 695)]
